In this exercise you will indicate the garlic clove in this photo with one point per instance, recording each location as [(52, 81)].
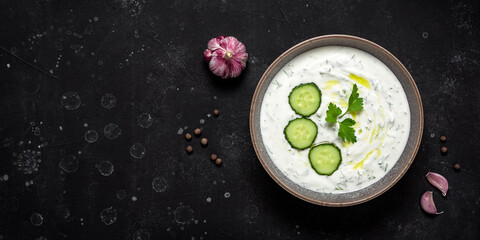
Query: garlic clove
[(241, 55), (230, 43), (217, 65), (438, 181), (207, 55), (426, 201), (213, 44), (225, 68), (235, 68)]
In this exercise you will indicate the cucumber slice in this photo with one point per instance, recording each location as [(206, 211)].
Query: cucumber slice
[(301, 133), (305, 99), (325, 158)]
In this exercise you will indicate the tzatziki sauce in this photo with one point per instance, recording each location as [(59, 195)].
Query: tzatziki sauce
[(382, 127)]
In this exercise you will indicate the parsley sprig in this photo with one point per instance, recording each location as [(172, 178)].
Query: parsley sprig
[(355, 104)]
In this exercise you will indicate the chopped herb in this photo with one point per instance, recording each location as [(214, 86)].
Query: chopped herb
[(332, 113), (355, 104), (346, 131)]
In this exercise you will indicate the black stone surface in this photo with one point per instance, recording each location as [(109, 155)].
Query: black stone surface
[(148, 54)]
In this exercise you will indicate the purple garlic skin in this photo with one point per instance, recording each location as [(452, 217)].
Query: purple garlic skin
[(226, 56), (438, 181), (427, 203)]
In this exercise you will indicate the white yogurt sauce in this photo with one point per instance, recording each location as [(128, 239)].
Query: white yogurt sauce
[(382, 127)]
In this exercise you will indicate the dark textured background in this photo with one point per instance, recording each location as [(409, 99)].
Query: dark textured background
[(148, 54)]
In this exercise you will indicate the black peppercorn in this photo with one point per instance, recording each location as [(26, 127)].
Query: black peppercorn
[(444, 150), (189, 149), (197, 131), (456, 167)]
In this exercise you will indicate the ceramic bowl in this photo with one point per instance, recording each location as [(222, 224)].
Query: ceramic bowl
[(395, 173)]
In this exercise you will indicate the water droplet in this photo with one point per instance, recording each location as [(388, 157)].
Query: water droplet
[(36, 219), (145, 120), (105, 168), (183, 214), (91, 136), (36, 132), (209, 199), (71, 100), (112, 131), (69, 163), (108, 215), (108, 101), (202, 121), (137, 151), (226, 195), (27, 161), (134, 198), (425, 35), (180, 131), (62, 212), (5, 177), (159, 184), (121, 194)]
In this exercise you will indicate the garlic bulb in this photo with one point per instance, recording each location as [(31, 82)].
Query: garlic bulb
[(226, 56)]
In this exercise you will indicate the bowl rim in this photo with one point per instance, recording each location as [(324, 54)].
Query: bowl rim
[(330, 203)]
